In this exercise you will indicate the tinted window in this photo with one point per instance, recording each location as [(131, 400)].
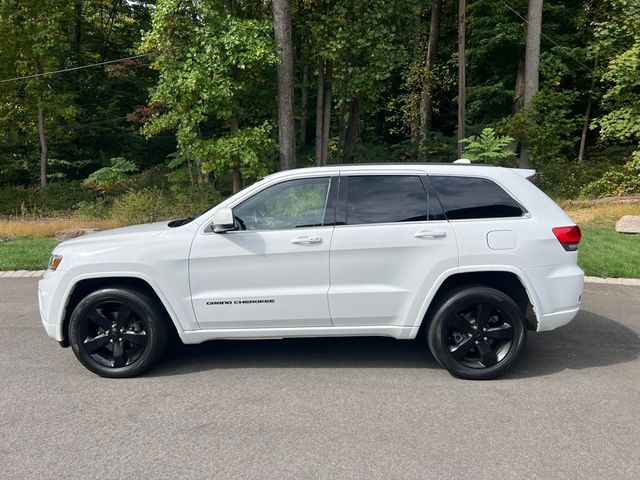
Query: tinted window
[(385, 198), (468, 197), (291, 204)]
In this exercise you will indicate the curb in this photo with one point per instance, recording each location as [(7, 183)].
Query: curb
[(609, 281)]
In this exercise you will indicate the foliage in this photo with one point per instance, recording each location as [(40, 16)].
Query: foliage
[(623, 180), (209, 60), (489, 147), (57, 197), (618, 42), (144, 206), (108, 180)]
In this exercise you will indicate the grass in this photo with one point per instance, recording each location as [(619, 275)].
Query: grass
[(26, 254), (47, 227), (604, 252)]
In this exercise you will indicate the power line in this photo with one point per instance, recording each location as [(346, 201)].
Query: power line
[(63, 70), (545, 36)]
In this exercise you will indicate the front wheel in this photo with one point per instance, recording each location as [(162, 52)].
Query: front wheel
[(477, 333), (118, 332)]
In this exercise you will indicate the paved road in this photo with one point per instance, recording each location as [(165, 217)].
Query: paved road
[(326, 408)]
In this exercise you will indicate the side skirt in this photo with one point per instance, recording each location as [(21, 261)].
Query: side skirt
[(199, 336)]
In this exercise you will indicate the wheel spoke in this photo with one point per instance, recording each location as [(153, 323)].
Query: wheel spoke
[(137, 338), (460, 350), (482, 314), (487, 356), (123, 316), (118, 355), (503, 332), (99, 318), (459, 323), (91, 344)]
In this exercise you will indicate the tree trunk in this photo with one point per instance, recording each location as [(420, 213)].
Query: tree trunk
[(587, 113), (303, 105), (319, 113), (351, 135), (426, 101), (461, 76), (77, 28), (341, 131), (284, 45), (42, 134), (326, 117), (236, 176), (532, 64), (518, 99)]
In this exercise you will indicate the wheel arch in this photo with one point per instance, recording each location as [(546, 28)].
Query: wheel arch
[(83, 286), (508, 281)]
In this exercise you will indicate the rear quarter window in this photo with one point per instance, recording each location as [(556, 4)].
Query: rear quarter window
[(473, 198)]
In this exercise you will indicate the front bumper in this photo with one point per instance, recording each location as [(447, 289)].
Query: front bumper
[(49, 307)]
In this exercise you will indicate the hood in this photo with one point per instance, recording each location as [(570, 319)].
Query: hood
[(118, 236)]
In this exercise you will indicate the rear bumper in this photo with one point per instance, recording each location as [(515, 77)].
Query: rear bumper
[(551, 321), (559, 290)]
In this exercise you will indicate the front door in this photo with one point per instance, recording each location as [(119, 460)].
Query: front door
[(274, 270)]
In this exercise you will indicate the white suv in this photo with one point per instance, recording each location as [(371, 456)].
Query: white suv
[(471, 255)]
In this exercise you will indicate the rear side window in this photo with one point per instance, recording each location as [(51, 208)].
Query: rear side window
[(469, 198), (385, 199)]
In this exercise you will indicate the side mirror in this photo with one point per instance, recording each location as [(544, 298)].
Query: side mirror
[(223, 220)]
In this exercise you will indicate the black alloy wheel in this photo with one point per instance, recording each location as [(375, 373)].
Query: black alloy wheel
[(118, 332), (114, 335), (477, 333)]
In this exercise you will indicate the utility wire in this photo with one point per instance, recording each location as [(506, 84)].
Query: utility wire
[(54, 72), (589, 69)]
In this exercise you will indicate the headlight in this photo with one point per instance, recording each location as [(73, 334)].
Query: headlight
[(54, 261)]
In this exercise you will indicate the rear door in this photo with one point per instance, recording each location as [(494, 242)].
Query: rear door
[(390, 245)]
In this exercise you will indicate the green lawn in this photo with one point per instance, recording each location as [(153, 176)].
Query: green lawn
[(603, 252), (26, 254)]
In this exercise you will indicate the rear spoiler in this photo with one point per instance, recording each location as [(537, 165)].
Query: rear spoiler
[(524, 172)]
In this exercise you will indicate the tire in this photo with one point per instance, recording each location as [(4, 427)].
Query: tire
[(477, 333), (118, 332)]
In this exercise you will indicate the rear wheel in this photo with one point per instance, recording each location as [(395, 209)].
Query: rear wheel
[(477, 333), (118, 332)]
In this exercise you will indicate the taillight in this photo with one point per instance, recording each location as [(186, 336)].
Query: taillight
[(569, 237)]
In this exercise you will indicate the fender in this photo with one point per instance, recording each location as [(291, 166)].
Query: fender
[(533, 298), (182, 319)]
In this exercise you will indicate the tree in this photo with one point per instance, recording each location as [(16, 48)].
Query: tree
[(532, 63), (212, 64), (462, 82), (286, 131), (426, 99)]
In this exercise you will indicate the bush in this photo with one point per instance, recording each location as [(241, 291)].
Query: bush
[(97, 208), (489, 147), (112, 179), (57, 197), (624, 180), (143, 206)]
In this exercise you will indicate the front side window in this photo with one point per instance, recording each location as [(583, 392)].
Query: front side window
[(291, 204), (473, 198), (385, 199)]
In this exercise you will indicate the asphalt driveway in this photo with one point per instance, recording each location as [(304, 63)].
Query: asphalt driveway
[(364, 408)]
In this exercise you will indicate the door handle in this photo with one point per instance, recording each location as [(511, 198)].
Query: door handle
[(306, 240), (430, 234)]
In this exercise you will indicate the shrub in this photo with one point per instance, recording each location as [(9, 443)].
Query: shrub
[(57, 197), (489, 147), (143, 206), (624, 180), (111, 179)]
